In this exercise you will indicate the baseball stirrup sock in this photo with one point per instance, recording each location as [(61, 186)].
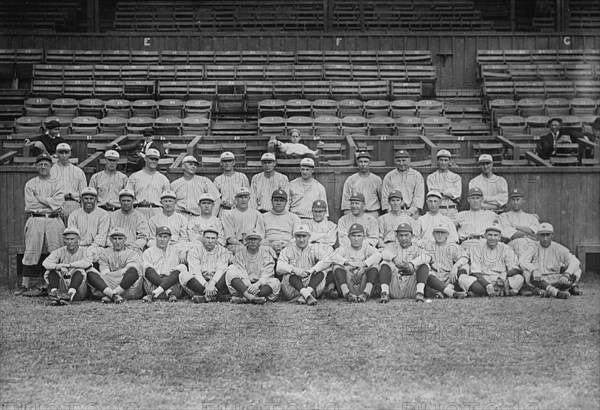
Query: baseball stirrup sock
[(152, 276), (238, 285), (422, 274), (129, 278), (296, 282), (478, 289), (195, 286), (315, 279), (97, 282), (76, 280), (385, 276), (265, 290), (53, 280), (170, 280)]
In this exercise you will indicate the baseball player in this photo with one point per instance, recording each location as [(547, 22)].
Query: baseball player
[(197, 224), (238, 222), (251, 276), (423, 226), (356, 267), (408, 181), (72, 177), (302, 265), (91, 222), (176, 222), (280, 224), (47, 142), (162, 265), (204, 280), (265, 183), (229, 182), (305, 190), (44, 198), (494, 267), (131, 221), (389, 221), (494, 187), (66, 270), (363, 182), (294, 149), (120, 275), (109, 183), (147, 185), (447, 183), (358, 216), (190, 187), (322, 230)]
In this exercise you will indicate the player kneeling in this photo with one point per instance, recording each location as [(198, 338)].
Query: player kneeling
[(67, 270), (251, 276), (120, 275), (357, 266), (162, 266)]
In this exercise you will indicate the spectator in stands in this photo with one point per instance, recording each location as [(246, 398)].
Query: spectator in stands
[(137, 160), (577, 134), (294, 149), (47, 142), (546, 147)]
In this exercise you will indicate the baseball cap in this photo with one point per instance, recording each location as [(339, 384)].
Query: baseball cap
[(357, 197), (52, 124), (319, 204), (294, 131), (211, 228), (443, 153), (268, 156), (546, 228), (163, 230), (88, 190), (43, 157), (117, 231), (434, 193), (395, 194), (494, 227), (254, 234), (189, 158), (363, 154), (475, 191), (307, 162), (440, 228), (485, 158), (356, 228), (206, 197), (302, 229), (279, 193), (227, 156), (404, 227), (152, 153), (148, 131), (516, 193), (168, 194), (242, 191), (71, 230), (126, 192), (63, 146), (554, 119), (402, 154), (111, 154)]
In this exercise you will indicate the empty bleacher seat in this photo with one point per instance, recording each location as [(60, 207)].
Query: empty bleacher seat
[(403, 108), (436, 125), (376, 108), (512, 124), (304, 124), (91, 107), (85, 125), (136, 125), (170, 106), (324, 107), (354, 124), (37, 107), (113, 125), (530, 106), (298, 107), (144, 108), (327, 124), (271, 108), (379, 125), (349, 107), (167, 125), (28, 125), (117, 108), (406, 125), (198, 108), (537, 124)]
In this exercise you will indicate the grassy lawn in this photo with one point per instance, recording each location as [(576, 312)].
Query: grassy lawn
[(501, 353)]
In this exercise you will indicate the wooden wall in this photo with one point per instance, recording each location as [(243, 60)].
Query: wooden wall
[(454, 54), (569, 198)]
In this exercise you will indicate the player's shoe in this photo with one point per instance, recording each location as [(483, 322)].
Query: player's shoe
[(199, 299), (362, 298), (239, 300), (53, 295), (575, 291), (420, 297), (459, 295), (351, 298), (259, 300), (224, 298), (118, 298), (172, 298), (490, 290), (439, 295), (545, 294), (20, 291), (332, 293), (512, 292), (148, 298), (536, 291), (106, 299), (385, 297), (301, 300), (562, 295), (311, 301)]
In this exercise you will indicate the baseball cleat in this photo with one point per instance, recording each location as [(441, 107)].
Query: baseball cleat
[(63, 302), (512, 292), (224, 298), (20, 291), (35, 292), (459, 295), (106, 299), (301, 300), (545, 294), (53, 295), (172, 298), (148, 299), (259, 300), (420, 297), (385, 297), (575, 291), (118, 298), (362, 298), (238, 300), (332, 293), (562, 295), (490, 290), (351, 298), (311, 301), (536, 291), (199, 299), (525, 292)]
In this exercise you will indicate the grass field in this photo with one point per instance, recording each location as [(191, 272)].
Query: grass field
[(500, 353)]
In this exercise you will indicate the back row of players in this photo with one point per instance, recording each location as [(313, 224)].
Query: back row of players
[(271, 238)]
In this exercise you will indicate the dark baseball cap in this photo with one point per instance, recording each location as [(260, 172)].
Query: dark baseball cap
[(319, 204), (356, 228), (404, 227), (357, 197), (52, 124), (475, 191), (402, 154), (279, 193), (148, 131), (163, 230), (515, 193), (43, 157)]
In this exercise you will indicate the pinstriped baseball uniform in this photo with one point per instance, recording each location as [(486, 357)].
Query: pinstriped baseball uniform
[(355, 277), (229, 185), (177, 223), (369, 186), (389, 222), (444, 256), (423, 226), (78, 260), (314, 256), (148, 186), (108, 186), (303, 194), (205, 265), (367, 221), (74, 181), (93, 226), (409, 182), (188, 193), (402, 287), (135, 225), (42, 196), (238, 224), (474, 222), (495, 189), (324, 232), (280, 227), (510, 220), (553, 258), (262, 188), (111, 261), (251, 268), (442, 182), (198, 224), (161, 260), (495, 263)]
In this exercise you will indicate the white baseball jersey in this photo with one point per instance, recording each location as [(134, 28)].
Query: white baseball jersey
[(44, 195), (148, 186), (510, 220), (72, 176), (368, 185), (259, 266), (111, 260), (229, 185), (206, 265), (394, 254), (367, 221), (555, 257), (303, 194), (280, 227), (388, 223), (198, 224), (93, 226), (177, 223), (262, 188), (108, 185), (135, 225), (474, 223), (445, 181), (188, 193), (493, 262), (495, 189), (162, 261), (237, 224), (77, 259), (366, 253), (423, 226), (444, 256), (324, 232), (409, 182), (314, 256)]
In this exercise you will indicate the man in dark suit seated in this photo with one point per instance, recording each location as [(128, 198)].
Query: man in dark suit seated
[(577, 134), (136, 160), (47, 142), (546, 147)]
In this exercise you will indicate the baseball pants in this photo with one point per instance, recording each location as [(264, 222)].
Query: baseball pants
[(76, 278), (235, 272), (112, 280), (153, 279), (41, 231), (290, 292)]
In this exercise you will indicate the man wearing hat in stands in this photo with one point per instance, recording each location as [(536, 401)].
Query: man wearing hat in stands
[(265, 183), (46, 142), (121, 272), (305, 190), (190, 187), (176, 222), (109, 183), (389, 221), (494, 187), (92, 224), (423, 227), (44, 198), (294, 149), (238, 222), (363, 182), (250, 278), (137, 160), (447, 183), (207, 262), (131, 221), (546, 146), (408, 181), (162, 265), (358, 216), (197, 224), (72, 177), (147, 186), (229, 182), (280, 224), (66, 270)]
